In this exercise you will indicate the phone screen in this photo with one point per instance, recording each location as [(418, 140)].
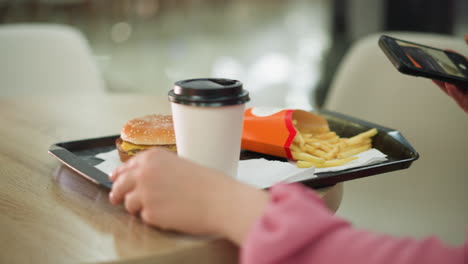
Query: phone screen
[(430, 59)]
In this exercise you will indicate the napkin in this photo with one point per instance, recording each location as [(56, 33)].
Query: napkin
[(262, 173)]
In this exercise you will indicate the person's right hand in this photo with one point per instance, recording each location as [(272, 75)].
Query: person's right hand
[(173, 193), (459, 94)]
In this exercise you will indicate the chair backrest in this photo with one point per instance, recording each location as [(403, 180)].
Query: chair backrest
[(46, 59)]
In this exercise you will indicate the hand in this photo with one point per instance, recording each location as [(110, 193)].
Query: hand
[(173, 193), (458, 93)]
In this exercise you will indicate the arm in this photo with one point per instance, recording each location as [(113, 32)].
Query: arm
[(289, 225), (297, 228)]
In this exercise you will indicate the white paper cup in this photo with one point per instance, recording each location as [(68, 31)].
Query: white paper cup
[(208, 117)]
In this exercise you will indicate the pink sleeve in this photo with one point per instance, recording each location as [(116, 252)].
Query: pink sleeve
[(296, 227)]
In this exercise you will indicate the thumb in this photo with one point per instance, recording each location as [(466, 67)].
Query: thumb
[(441, 85), (466, 39)]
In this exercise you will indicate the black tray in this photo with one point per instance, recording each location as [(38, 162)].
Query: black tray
[(79, 155)]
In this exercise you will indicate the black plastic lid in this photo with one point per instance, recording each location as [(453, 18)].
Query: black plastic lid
[(210, 92)]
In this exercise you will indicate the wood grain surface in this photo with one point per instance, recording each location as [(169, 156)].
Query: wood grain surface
[(50, 214)]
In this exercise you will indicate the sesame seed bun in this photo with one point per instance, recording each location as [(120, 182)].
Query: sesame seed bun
[(149, 130)]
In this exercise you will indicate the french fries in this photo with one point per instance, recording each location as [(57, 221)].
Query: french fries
[(328, 149)]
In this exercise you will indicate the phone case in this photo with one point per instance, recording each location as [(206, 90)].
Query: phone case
[(401, 62)]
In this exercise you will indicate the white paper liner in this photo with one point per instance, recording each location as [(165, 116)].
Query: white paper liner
[(263, 173)]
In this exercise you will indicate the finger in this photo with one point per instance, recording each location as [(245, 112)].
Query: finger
[(115, 174), (461, 97), (133, 203), (130, 164), (466, 39), (453, 91), (148, 216), (441, 85), (124, 184)]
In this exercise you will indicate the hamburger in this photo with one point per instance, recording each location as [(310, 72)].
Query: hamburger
[(145, 132)]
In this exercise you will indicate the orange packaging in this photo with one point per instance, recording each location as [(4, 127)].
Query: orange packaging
[(272, 131)]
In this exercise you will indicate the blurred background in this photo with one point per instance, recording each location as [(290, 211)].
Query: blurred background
[(285, 52)]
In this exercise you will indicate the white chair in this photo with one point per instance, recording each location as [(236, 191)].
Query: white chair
[(46, 59), (431, 196)]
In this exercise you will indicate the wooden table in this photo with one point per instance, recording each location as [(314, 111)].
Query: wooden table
[(50, 214)]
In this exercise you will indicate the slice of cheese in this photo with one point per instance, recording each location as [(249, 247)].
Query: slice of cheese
[(132, 149), (129, 147)]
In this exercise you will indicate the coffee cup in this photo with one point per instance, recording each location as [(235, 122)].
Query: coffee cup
[(208, 117)]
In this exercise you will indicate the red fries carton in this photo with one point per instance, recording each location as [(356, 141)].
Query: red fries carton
[(272, 131)]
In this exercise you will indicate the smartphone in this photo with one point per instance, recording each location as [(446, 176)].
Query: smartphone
[(420, 60)]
